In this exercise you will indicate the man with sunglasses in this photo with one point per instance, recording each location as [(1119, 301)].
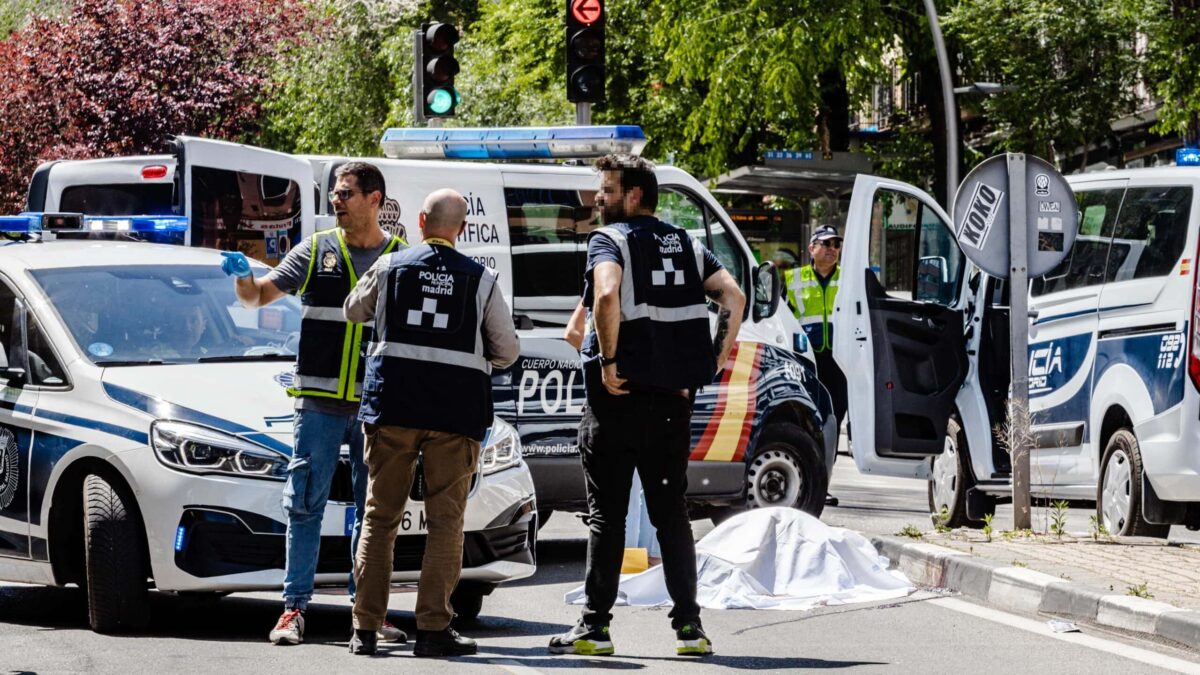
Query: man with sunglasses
[(810, 292), (322, 270)]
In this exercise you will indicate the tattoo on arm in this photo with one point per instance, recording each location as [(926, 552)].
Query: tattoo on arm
[(722, 332)]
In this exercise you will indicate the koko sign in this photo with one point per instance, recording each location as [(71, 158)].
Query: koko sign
[(993, 199)]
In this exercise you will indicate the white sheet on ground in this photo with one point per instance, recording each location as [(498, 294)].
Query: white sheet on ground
[(777, 558)]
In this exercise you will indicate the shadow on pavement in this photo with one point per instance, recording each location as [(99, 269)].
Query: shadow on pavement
[(535, 657)]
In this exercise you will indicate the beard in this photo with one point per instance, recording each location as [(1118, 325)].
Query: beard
[(612, 213)]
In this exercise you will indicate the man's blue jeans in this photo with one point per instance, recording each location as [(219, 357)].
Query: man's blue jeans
[(318, 444)]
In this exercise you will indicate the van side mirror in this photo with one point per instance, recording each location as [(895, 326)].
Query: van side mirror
[(767, 290)]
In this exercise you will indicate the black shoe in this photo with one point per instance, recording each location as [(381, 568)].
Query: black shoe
[(584, 640), (443, 643), (691, 641), (362, 642)]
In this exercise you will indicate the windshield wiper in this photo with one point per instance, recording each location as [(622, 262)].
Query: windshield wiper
[(131, 362), (227, 358)]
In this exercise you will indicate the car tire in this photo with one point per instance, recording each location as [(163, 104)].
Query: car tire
[(950, 478), (1119, 493), (787, 469), (114, 554), (467, 601)]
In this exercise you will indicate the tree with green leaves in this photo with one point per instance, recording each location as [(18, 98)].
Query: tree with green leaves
[(1173, 27)]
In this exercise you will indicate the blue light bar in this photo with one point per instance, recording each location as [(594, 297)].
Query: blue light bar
[(512, 142), (1187, 157), (22, 224), (36, 222), (180, 533)]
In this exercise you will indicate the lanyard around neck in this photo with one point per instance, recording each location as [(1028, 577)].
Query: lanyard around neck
[(439, 241)]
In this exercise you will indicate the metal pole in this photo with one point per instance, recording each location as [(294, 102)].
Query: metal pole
[(583, 114), (1019, 436), (418, 79), (939, 45)]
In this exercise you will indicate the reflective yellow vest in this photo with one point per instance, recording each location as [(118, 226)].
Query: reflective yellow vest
[(813, 304)]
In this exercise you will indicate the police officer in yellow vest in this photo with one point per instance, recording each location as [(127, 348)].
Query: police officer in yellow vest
[(810, 292), (322, 270)]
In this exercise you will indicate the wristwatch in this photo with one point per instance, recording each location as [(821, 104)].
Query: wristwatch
[(607, 360)]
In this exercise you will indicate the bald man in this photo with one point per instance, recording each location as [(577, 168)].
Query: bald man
[(441, 323)]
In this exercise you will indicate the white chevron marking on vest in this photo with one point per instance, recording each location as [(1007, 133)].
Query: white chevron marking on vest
[(416, 317), (659, 277)]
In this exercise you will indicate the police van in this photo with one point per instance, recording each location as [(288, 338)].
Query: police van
[(763, 436), (1114, 357), (145, 431)]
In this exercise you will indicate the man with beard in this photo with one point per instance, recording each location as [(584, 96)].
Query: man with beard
[(646, 350)]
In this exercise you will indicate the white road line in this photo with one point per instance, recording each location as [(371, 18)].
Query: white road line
[(1091, 642), (514, 667)]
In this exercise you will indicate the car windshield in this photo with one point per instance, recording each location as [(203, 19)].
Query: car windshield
[(129, 315)]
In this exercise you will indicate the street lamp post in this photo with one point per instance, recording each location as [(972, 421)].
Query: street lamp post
[(939, 46)]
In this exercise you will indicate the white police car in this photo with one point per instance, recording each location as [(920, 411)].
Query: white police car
[(145, 434), (1114, 353)]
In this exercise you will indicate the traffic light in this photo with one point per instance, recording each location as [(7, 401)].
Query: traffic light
[(438, 68), (585, 51)]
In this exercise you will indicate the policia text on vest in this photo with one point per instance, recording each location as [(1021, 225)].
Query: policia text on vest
[(441, 325)]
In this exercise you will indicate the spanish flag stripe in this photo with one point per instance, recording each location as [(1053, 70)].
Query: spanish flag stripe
[(714, 420), (751, 400), (731, 418)]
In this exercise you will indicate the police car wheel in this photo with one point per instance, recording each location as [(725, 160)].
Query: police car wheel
[(950, 477), (1119, 493), (787, 470), (114, 553)]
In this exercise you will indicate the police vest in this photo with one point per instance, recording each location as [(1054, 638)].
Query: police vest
[(428, 368), (813, 303), (330, 363), (664, 340)]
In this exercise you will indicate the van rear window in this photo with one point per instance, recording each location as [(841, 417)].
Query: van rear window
[(548, 231), (152, 199)]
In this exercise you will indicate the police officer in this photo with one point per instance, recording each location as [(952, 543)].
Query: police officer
[(322, 270), (811, 291), (646, 349), (441, 324)]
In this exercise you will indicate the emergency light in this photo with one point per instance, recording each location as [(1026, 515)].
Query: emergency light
[(31, 223), (513, 142), (1187, 157)]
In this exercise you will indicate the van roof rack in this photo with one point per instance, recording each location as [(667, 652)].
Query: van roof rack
[(513, 142)]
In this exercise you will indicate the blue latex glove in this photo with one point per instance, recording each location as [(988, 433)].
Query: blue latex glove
[(235, 264)]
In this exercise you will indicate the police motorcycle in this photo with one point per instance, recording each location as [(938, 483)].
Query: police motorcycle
[(146, 430), (1114, 357), (762, 436)]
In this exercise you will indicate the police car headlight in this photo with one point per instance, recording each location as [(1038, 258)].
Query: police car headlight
[(501, 449), (200, 450)]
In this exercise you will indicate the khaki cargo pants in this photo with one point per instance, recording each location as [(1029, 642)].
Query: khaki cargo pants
[(449, 461)]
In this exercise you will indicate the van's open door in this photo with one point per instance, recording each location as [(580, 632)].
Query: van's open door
[(899, 331), (239, 197)]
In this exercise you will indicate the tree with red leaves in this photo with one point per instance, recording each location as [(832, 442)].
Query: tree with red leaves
[(119, 77)]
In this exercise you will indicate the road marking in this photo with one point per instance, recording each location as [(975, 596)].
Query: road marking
[(514, 667), (1040, 628)]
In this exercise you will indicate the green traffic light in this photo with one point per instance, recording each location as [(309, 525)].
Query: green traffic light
[(442, 100)]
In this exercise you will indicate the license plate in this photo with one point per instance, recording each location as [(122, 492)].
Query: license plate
[(413, 521)]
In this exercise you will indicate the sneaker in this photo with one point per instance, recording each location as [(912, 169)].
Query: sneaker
[(389, 633), (289, 629), (362, 642), (691, 641), (443, 643), (584, 640)]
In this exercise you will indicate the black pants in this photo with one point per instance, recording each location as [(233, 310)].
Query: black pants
[(835, 381), (649, 432)]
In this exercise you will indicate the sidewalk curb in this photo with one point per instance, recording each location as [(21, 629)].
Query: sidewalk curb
[(1025, 590)]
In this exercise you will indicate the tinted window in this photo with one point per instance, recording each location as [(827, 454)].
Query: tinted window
[(117, 200), (238, 211), (912, 250), (1089, 257), (1150, 233), (548, 230)]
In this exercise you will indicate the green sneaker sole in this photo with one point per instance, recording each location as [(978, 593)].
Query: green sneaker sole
[(694, 647), (585, 648)]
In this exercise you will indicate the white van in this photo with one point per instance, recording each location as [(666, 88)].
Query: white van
[(1114, 360), (763, 436)]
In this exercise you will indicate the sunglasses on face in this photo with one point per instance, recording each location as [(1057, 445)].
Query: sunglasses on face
[(343, 194), (830, 243)]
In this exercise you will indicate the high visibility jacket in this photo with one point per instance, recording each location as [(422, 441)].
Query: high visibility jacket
[(330, 362), (664, 340), (813, 303), (428, 368)]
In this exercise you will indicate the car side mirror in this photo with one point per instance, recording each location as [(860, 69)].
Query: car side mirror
[(767, 291)]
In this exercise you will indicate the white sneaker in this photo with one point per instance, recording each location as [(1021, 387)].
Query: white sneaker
[(389, 633), (289, 629)]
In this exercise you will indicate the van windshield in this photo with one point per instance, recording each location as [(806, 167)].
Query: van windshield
[(132, 315)]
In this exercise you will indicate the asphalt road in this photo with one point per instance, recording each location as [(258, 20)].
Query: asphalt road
[(44, 630)]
